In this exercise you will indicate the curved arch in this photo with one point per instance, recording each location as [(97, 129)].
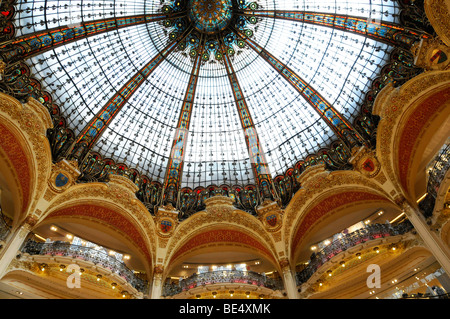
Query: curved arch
[(331, 206), (410, 117), (119, 196), (24, 151), (220, 213), (418, 135), (15, 170), (107, 218), (223, 236), (317, 185)]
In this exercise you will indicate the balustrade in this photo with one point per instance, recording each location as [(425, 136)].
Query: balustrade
[(436, 174), (222, 276), (370, 232), (98, 257)]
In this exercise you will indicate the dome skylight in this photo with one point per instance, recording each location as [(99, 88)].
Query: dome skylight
[(246, 89)]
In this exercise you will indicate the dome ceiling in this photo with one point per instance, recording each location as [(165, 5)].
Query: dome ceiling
[(196, 82)]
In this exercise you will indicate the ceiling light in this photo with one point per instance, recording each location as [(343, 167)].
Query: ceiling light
[(53, 228)]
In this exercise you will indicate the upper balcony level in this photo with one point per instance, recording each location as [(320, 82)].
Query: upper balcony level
[(231, 279), (367, 235)]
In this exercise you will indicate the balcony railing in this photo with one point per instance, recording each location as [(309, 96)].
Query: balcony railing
[(436, 174), (222, 276), (348, 241), (98, 257)]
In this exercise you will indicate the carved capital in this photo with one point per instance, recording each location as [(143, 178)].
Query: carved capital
[(285, 264)]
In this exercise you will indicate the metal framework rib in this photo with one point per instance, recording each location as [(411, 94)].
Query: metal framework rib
[(389, 33), (330, 115), (27, 46), (176, 162), (259, 164), (92, 132)]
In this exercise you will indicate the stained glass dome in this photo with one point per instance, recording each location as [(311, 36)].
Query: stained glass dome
[(208, 92)]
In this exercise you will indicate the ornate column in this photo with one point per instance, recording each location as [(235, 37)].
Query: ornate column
[(166, 221), (290, 283), (157, 282), (14, 243), (439, 250)]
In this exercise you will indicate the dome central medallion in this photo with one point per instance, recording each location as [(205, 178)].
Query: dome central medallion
[(210, 16), (209, 27)]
